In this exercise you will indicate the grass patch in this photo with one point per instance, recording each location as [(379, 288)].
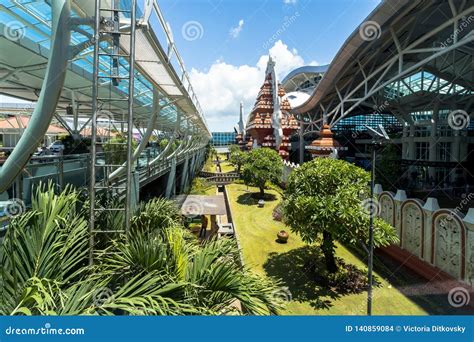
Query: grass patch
[(201, 186), (395, 295), (227, 167)]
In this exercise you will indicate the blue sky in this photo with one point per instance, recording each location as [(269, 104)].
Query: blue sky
[(227, 41), (225, 44)]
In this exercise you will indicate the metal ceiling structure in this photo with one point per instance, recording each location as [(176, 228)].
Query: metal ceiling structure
[(406, 56), (35, 41)]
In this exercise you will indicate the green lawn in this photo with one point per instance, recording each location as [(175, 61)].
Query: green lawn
[(257, 233), (227, 167)]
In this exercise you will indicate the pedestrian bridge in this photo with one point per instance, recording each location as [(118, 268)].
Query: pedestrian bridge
[(93, 67), (220, 178)]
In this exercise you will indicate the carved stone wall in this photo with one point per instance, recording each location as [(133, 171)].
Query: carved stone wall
[(387, 208), (469, 277), (449, 243), (437, 236), (412, 227)]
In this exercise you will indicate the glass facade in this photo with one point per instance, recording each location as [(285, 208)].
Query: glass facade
[(423, 81), (223, 138), (358, 123)]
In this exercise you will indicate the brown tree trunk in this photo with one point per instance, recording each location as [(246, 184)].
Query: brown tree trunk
[(328, 251), (262, 191)]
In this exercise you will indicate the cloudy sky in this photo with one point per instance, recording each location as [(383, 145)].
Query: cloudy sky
[(225, 44)]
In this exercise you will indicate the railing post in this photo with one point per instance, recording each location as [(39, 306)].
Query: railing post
[(61, 172)]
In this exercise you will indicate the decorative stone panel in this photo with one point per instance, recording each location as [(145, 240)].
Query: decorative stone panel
[(449, 243), (412, 227), (469, 224), (431, 205), (387, 208), (399, 198)]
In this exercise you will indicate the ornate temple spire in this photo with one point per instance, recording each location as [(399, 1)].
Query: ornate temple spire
[(270, 123), (270, 66), (276, 115), (241, 119)]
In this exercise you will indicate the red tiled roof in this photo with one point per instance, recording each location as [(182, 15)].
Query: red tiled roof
[(21, 121)]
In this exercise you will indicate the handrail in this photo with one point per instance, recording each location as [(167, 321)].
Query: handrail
[(184, 75)]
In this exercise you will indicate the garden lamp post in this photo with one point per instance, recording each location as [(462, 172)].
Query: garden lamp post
[(378, 136)]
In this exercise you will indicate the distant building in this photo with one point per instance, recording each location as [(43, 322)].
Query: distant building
[(12, 127), (222, 139), (270, 123)]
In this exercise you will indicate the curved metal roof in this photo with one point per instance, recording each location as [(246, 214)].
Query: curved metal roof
[(307, 69), (24, 60), (353, 45), (410, 37)]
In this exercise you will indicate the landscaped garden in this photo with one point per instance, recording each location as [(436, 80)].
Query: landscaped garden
[(226, 166), (322, 266), (257, 232)]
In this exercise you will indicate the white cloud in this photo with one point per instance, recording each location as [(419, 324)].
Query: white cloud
[(289, 2), (221, 88), (235, 31)]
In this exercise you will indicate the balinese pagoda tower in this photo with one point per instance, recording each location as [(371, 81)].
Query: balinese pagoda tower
[(270, 124), (325, 146), (240, 130)]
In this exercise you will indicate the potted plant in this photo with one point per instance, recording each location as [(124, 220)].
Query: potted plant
[(282, 236)]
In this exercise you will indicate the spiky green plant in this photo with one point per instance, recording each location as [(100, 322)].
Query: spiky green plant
[(158, 269)]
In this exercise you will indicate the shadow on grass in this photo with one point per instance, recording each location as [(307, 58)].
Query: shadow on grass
[(422, 292), (252, 198), (301, 271)]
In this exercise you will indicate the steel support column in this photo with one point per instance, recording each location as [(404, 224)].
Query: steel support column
[(48, 98)]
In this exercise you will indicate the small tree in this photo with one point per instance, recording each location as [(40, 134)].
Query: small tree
[(262, 165), (116, 149), (328, 198), (237, 157)]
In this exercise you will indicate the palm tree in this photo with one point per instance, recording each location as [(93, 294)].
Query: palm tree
[(159, 269)]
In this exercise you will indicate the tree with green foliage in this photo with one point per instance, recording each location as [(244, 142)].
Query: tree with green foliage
[(174, 145), (262, 165), (389, 167), (237, 157), (116, 149), (212, 152), (328, 199)]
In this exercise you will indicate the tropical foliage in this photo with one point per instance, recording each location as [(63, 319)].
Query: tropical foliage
[(237, 157), (263, 165), (159, 269), (116, 149), (328, 199)]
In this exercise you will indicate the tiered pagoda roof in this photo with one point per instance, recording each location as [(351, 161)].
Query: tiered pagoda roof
[(270, 122), (325, 145)]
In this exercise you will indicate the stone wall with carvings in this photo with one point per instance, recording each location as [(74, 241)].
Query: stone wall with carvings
[(443, 238)]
